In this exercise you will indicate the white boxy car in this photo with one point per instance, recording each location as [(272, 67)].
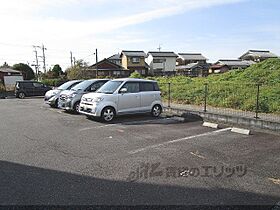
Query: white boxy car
[(123, 96)]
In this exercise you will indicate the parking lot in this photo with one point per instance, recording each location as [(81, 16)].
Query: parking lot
[(49, 156)]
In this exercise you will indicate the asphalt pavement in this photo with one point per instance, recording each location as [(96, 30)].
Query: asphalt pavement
[(49, 156)]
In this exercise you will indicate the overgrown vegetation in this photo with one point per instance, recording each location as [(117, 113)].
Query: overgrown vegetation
[(54, 82), (2, 87), (235, 89), (136, 75)]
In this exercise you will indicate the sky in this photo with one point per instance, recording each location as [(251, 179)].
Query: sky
[(219, 29)]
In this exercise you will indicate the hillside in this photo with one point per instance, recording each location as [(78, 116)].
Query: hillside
[(266, 72), (236, 89)]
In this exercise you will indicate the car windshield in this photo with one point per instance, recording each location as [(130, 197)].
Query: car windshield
[(110, 87), (82, 86), (66, 85)]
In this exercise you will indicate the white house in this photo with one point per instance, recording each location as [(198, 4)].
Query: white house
[(162, 62)]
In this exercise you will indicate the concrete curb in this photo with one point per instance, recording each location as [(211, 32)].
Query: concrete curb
[(241, 131), (210, 125), (226, 119)]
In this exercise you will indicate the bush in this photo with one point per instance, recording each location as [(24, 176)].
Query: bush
[(136, 75), (2, 88), (54, 82)]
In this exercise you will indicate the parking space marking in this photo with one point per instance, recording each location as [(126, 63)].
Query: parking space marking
[(275, 181), (101, 126), (177, 140), (197, 155), (144, 121)]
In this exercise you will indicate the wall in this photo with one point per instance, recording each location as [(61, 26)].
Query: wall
[(168, 65)]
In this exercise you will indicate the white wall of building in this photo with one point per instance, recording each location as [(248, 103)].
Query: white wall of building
[(168, 65)]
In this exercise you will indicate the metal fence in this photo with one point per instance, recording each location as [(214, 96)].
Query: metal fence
[(250, 100)]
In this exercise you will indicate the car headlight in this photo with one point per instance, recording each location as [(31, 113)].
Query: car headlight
[(72, 95), (97, 100)]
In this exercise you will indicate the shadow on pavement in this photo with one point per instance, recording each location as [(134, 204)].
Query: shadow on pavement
[(146, 119), (26, 185)]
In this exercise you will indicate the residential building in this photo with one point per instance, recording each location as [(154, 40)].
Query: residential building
[(106, 68), (218, 68), (134, 61), (222, 66), (162, 62), (257, 55), (116, 59), (192, 64), (235, 63), (4, 72), (193, 70), (187, 58)]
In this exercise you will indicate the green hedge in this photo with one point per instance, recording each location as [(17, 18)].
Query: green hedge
[(54, 82)]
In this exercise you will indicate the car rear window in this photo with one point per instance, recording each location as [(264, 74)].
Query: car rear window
[(149, 86), (156, 86), (146, 86)]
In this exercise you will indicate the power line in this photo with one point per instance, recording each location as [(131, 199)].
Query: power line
[(15, 45)]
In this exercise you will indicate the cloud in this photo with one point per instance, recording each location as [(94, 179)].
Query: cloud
[(24, 23)]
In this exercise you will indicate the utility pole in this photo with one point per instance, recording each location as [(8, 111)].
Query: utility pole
[(37, 63), (159, 48), (96, 58), (71, 57), (74, 60), (44, 57)]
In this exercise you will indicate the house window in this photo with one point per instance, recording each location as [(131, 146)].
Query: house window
[(135, 60), (159, 60)]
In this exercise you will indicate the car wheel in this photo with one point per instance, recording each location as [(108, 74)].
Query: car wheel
[(108, 114), (55, 105), (77, 107), (156, 110), (21, 95)]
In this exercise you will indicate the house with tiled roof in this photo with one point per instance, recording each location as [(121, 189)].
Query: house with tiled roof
[(161, 62), (116, 59), (225, 65), (187, 58), (106, 68), (192, 64), (193, 70), (134, 61), (257, 55)]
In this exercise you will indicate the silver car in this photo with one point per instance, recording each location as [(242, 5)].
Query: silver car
[(52, 96), (69, 100), (123, 96)]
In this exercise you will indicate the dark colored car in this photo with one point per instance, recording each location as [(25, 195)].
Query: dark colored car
[(30, 88)]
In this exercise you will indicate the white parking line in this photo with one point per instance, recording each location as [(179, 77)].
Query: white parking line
[(101, 126), (177, 140), (197, 155)]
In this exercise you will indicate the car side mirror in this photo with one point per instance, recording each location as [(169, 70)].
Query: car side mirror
[(123, 90)]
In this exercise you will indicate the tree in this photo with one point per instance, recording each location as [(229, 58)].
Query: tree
[(77, 71), (26, 70), (57, 71)]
